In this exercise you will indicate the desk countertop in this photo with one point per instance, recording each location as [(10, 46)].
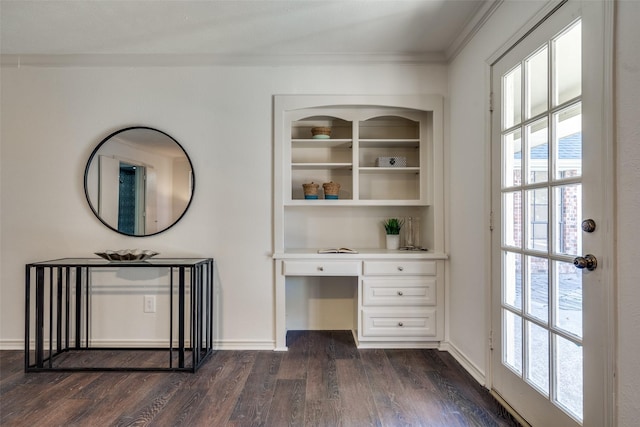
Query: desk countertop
[(363, 254)]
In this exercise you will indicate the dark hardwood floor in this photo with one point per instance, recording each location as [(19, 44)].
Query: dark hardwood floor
[(323, 380)]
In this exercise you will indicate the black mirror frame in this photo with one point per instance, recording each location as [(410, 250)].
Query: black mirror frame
[(91, 157)]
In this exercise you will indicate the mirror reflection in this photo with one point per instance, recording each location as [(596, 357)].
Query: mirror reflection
[(139, 181)]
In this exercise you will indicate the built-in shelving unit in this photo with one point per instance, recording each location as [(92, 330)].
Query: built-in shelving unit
[(386, 152), (359, 137)]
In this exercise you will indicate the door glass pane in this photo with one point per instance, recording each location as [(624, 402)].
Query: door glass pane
[(567, 305), (512, 98), (512, 276), (537, 151), (538, 357), (538, 288), (538, 219), (569, 376), (512, 159), (568, 142), (537, 82), (568, 215), (512, 214), (567, 56), (512, 344)]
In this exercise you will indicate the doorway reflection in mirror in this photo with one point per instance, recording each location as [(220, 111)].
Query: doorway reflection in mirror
[(139, 181)]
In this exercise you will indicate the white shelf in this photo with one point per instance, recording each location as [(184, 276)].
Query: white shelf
[(311, 166), (376, 169), (351, 202)]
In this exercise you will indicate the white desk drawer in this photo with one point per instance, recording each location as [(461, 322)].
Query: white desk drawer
[(399, 291), (321, 268), (398, 268), (399, 323)]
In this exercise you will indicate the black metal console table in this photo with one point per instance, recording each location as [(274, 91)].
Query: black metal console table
[(59, 293)]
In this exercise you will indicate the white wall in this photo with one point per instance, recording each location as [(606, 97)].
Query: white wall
[(52, 118), (468, 81), (627, 111), (468, 190)]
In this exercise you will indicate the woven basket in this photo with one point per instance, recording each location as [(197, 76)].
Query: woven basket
[(331, 190), (310, 190), (316, 131)]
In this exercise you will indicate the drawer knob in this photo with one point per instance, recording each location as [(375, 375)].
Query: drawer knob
[(400, 293), (400, 324), (320, 268), (400, 268)]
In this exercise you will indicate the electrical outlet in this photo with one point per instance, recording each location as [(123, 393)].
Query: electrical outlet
[(149, 303)]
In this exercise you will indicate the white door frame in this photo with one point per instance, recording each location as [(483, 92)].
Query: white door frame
[(606, 414)]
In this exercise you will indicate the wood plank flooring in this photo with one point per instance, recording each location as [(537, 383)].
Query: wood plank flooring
[(323, 380)]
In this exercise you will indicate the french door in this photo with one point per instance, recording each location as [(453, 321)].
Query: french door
[(549, 267)]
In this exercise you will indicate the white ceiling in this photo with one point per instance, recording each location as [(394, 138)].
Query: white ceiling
[(239, 30)]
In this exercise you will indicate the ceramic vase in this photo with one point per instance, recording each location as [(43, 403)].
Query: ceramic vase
[(393, 241)]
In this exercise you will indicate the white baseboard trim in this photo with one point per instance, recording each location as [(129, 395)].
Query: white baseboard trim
[(399, 344), (12, 344), (217, 345), (244, 345), (463, 360), (474, 371), (130, 343)]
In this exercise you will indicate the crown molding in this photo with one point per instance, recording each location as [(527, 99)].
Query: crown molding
[(471, 29), (205, 60)]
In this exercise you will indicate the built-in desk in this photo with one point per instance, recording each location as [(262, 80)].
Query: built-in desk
[(400, 293), (58, 313)]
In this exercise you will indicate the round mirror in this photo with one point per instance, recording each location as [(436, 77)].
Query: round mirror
[(139, 181)]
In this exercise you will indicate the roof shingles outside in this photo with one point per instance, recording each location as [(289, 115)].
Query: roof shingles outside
[(569, 148)]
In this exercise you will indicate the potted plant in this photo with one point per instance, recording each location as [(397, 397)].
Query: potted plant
[(392, 226)]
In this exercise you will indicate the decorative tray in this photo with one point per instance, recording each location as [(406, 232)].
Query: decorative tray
[(127, 255)]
